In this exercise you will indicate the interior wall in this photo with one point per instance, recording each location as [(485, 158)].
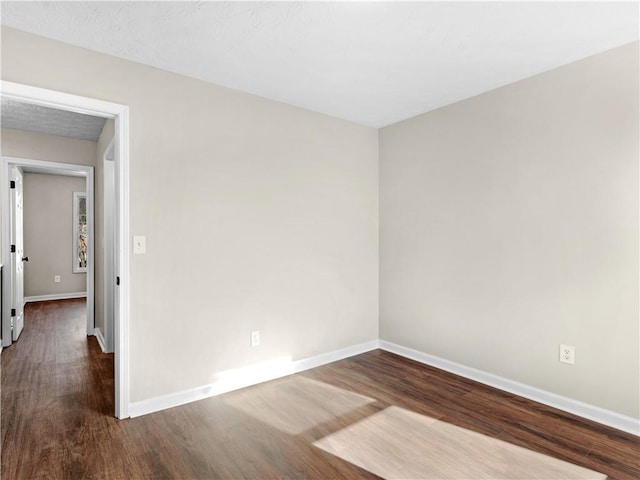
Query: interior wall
[(51, 148), (258, 216), (509, 225), (48, 235)]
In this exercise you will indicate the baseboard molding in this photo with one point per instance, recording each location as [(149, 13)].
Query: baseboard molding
[(254, 374), (55, 296), (591, 412), (98, 334), (245, 377)]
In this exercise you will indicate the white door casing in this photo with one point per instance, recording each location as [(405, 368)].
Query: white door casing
[(120, 113)]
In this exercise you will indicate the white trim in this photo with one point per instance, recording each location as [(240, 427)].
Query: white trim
[(91, 106), (98, 334), (55, 296), (591, 412), (121, 317), (246, 377), (91, 266), (60, 100)]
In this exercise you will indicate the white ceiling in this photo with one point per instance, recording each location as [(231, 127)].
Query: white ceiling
[(35, 118), (373, 63)]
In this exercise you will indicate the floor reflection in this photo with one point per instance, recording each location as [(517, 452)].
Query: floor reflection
[(295, 404), (399, 444)]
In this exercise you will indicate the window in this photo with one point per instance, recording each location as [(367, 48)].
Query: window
[(80, 232)]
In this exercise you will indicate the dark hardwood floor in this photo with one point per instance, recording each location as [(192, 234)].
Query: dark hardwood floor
[(57, 416)]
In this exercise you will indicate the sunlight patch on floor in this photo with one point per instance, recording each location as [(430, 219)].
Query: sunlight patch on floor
[(399, 444), (236, 378), (295, 404)]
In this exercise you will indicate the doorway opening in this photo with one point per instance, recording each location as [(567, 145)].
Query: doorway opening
[(119, 278), (14, 258)]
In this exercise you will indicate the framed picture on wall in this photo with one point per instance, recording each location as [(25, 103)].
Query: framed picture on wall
[(80, 233)]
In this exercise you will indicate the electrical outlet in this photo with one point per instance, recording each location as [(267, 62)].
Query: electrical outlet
[(567, 354), (255, 338), (56, 279)]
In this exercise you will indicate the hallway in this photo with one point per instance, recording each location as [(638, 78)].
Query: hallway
[(57, 390)]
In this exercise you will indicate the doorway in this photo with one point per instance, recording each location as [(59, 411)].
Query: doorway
[(120, 277), (12, 227)]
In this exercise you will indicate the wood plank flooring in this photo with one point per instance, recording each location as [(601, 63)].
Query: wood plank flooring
[(58, 401)]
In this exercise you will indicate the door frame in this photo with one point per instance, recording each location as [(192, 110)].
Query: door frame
[(120, 113), (108, 250), (52, 168)]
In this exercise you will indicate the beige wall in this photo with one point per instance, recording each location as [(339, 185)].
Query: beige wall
[(509, 225), (258, 215), (52, 148), (48, 234)]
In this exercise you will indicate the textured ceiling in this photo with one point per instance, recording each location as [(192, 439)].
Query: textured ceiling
[(34, 118), (373, 63)]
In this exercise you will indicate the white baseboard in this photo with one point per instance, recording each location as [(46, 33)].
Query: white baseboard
[(245, 377), (98, 334), (591, 412), (254, 374), (55, 296)]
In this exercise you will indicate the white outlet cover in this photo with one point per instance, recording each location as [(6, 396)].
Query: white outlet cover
[(567, 354)]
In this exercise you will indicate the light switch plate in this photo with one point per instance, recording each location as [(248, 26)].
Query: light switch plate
[(139, 244)]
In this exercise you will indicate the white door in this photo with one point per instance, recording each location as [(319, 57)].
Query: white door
[(17, 254), (117, 249), (109, 251), (120, 349)]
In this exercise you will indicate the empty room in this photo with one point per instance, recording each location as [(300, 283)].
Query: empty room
[(320, 240)]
